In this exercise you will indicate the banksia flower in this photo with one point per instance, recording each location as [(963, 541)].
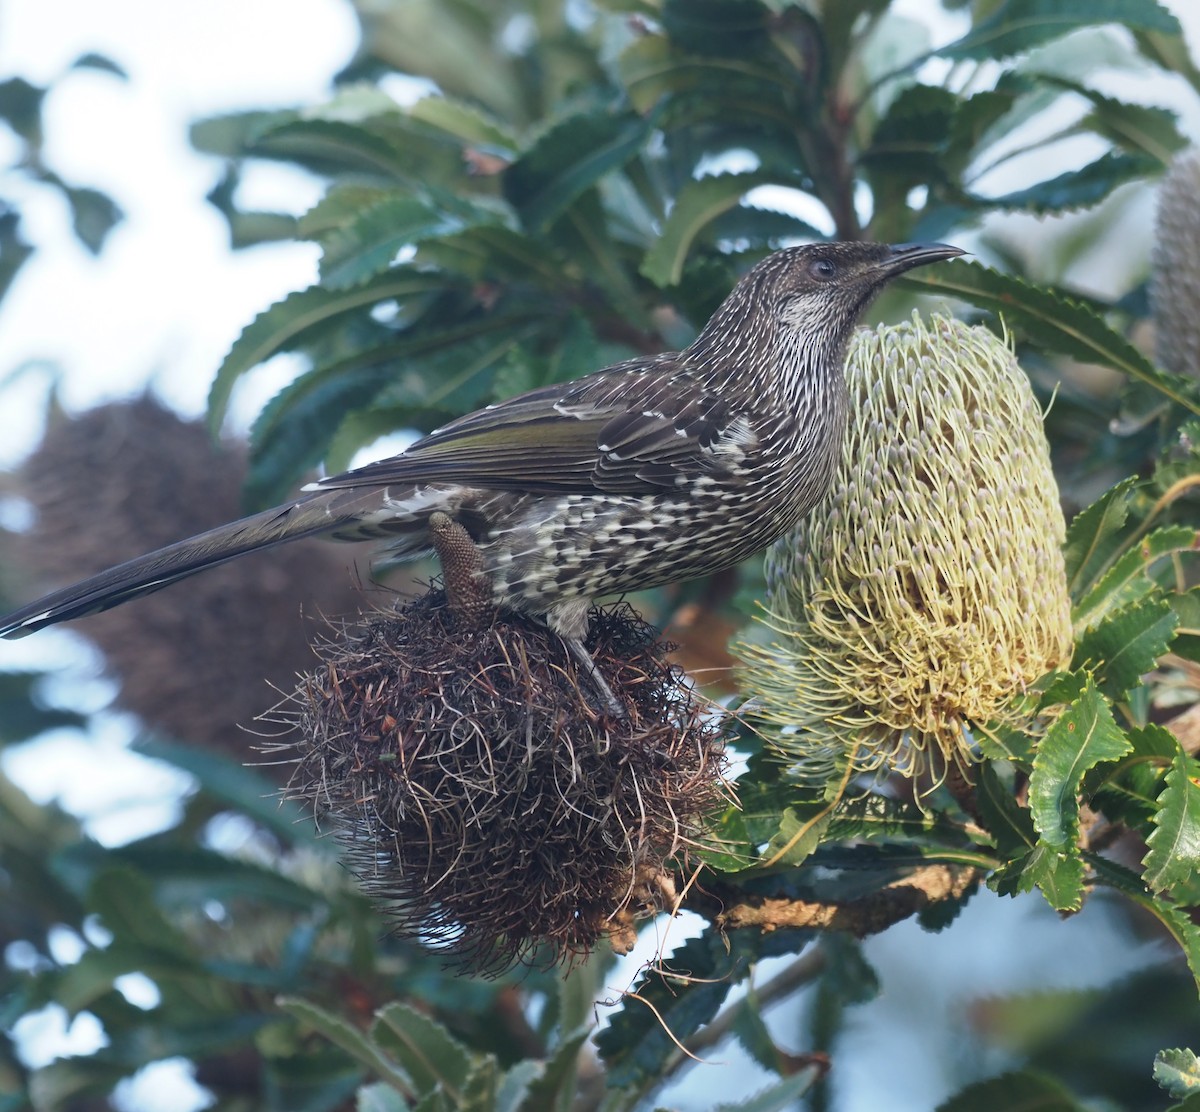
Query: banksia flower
[(1175, 281), (478, 794), (929, 589)]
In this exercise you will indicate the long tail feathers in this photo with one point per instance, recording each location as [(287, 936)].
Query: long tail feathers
[(321, 513)]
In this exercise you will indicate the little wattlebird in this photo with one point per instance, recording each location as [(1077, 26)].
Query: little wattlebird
[(653, 470)]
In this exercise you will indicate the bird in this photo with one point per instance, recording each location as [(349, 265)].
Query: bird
[(654, 470)]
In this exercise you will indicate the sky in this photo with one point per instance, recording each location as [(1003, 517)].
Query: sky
[(163, 303)]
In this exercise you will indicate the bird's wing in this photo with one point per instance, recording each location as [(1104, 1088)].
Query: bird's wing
[(636, 429)]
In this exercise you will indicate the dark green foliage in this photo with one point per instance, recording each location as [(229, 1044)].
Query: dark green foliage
[(581, 192)]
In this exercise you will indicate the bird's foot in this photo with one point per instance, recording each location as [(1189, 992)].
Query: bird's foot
[(609, 703)]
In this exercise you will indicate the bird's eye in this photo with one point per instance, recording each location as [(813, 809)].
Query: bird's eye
[(821, 269)]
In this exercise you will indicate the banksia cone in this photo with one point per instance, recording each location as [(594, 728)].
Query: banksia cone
[(127, 477), (929, 589), (478, 794), (1175, 280)]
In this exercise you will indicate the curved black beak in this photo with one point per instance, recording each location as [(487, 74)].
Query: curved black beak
[(904, 256)]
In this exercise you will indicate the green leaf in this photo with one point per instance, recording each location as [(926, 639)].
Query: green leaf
[(1053, 320), (22, 714), (1083, 736), (568, 159), (93, 216), (1174, 844), (554, 1086), (1026, 1091), (426, 1051), (777, 1097), (380, 1097), (1129, 790), (1010, 824), (1176, 920), (1058, 874), (336, 143), (465, 121), (1017, 26), (1128, 579), (696, 204), (351, 1040), (636, 1046), (289, 323), (367, 243), (1126, 645), (1075, 189), (1177, 1071), (1094, 536), (1186, 605), (1138, 128)]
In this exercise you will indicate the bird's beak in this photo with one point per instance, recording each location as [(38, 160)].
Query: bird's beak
[(904, 256)]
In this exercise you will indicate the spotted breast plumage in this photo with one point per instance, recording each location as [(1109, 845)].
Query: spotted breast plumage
[(653, 470)]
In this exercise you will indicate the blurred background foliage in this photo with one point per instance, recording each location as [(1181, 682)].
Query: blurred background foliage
[(518, 193)]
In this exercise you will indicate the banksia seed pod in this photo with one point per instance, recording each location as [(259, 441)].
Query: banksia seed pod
[(923, 595), (201, 662), (479, 795), (1175, 276)]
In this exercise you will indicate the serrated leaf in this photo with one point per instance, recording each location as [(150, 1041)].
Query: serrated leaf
[(1010, 824), (1174, 844), (465, 121), (1128, 791), (1126, 645), (379, 1097), (1053, 320), (1186, 605), (554, 1085), (1076, 189), (1083, 736), (1027, 1091), (697, 204), (1019, 25), (635, 1045), (1094, 536), (570, 158), (1134, 127), (777, 1097), (1128, 579), (1178, 1072), (351, 1040), (287, 324), (336, 142), (1175, 919), (1058, 875), (425, 1050), (367, 243)]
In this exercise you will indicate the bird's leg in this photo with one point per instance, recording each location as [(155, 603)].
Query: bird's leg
[(609, 703), (468, 589)]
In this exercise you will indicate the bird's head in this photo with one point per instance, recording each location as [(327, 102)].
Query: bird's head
[(804, 302)]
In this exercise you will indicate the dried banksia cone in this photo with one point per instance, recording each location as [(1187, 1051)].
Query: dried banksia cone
[(479, 793), (922, 597), (196, 662), (1175, 277)]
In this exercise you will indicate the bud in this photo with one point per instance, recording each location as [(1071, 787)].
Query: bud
[(1175, 280), (928, 590)]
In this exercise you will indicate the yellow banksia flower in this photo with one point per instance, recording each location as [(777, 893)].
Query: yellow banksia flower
[(922, 597)]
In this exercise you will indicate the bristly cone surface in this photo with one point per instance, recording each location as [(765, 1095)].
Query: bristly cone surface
[(481, 795)]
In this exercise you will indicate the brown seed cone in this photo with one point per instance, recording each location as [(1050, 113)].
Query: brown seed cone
[(197, 660), (480, 794)]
